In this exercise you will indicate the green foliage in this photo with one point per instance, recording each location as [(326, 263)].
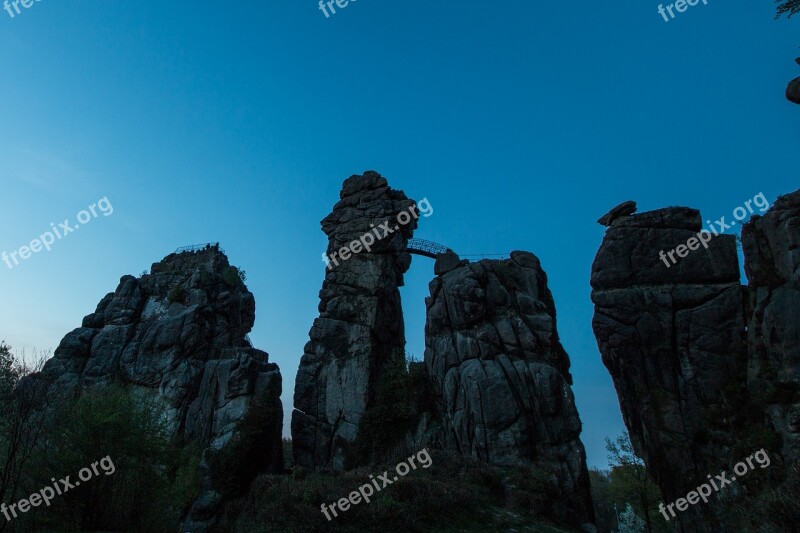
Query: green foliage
[(600, 483), (531, 490), (627, 483), (9, 374), (22, 424), (774, 510), (177, 295), (453, 495), (152, 479), (789, 7), (391, 415), (629, 521), (288, 454), (233, 276)]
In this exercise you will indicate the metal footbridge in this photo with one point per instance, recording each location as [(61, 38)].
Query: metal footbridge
[(432, 249), (427, 248)]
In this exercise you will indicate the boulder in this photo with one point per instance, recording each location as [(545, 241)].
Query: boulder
[(622, 210)]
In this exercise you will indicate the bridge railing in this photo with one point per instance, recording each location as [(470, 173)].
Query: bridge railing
[(427, 248), (199, 247), (485, 256), (432, 249)]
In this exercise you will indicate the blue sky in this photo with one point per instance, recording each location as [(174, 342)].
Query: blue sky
[(521, 123)]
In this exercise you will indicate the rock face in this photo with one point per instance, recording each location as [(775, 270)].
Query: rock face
[(495, 385), (793, 89), (672, 338), (179, 334), (501, 377), (771, 246), (692, 352), (359, 333)]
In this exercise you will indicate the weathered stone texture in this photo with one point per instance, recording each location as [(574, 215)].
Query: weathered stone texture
[(706, 370), (178, 334), (771, 246), (501, 377), (360, 328)]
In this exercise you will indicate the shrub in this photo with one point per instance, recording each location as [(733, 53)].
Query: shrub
[(177, 295), (390, 417), (153, 478), (232, 276), (448, 496)]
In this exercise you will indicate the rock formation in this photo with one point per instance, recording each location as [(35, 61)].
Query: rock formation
[(622, 210), (793, 89), (495, 385), (359, 334), (771, 246), (692, 352), (179, 334), (501, 377)]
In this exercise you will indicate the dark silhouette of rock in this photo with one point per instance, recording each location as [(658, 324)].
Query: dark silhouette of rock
[(693, 354), (501, 377), (446, 262), (793, 89), (771, 246), (179, 334), (622, 210), (495, 385), (359, 333)]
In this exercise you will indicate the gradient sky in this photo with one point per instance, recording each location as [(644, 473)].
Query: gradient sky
[(521, 122)]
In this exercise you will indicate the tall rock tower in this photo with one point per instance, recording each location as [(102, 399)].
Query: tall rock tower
[(359, 333)]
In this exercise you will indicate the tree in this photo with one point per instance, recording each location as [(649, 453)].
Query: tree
[(789, 7), (8, 373), (630, 482), (600, 483), (153, 476), (22, 421), (629, 522)]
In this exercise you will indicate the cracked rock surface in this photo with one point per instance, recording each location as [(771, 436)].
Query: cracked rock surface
[(501, 376), (706, 370), (771, 246), (179, 334), (359, 332)]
